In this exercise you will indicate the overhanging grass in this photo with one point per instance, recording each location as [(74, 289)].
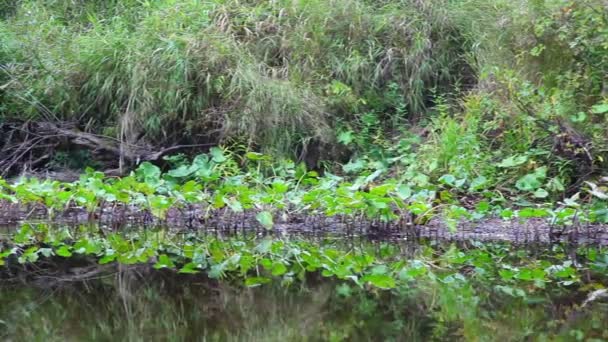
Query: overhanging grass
[(259, 71)]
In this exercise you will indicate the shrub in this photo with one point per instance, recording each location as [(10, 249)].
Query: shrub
[(258, 71)]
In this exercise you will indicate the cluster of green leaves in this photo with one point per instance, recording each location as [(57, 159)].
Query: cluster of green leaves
[(532, 124), (174, 306), (256, 183), (535, 125), (255, 262)]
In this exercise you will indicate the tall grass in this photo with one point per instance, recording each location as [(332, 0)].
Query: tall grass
[(180, 70), (275, 74), (542, 84)]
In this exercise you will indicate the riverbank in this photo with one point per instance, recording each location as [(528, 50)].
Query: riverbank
[(516, 231)]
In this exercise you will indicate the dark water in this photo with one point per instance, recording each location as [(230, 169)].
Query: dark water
[(141, 304), (128, 306)]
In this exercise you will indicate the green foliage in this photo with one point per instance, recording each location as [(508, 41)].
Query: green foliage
[(269, 73), (538, 106), (265, 219), (273, 192), (254, 262), (488, 292), (504, 102)]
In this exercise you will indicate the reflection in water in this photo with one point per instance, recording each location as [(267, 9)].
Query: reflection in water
[(137, 303), (72, 299)]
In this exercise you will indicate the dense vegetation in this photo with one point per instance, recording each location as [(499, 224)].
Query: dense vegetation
[(222, 127), (511, 93), (332, 289), (254, 262), (219, 185)]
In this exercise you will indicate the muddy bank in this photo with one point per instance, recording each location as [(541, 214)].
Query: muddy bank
[(197, 218)]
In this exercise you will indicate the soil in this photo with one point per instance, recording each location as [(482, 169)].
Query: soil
[(198, 218)]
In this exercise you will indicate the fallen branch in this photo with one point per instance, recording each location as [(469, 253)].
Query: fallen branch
[(32, 143), (132, 153)]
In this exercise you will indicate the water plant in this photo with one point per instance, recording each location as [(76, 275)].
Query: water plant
[(350, 122), (277, 193), (254, 262)]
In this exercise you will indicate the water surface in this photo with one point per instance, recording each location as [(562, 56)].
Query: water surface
[(52, 301)]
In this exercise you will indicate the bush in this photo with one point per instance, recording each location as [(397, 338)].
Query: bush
[(258, 71)]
